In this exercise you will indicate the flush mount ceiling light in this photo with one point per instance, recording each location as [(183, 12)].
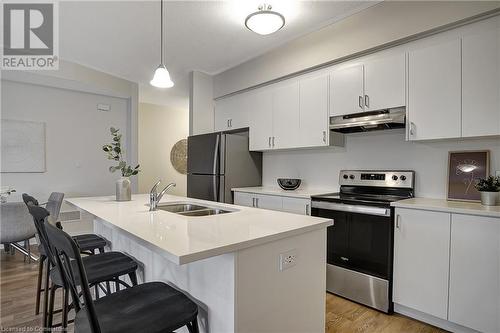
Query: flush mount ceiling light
[(265, 21), (161, 78)]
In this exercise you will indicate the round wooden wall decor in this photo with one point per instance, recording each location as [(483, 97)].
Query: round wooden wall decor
[(178, 156)]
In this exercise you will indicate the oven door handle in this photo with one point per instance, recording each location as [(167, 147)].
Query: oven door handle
[(379, 211)]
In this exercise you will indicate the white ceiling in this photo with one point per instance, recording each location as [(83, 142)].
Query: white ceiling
[(123, 37)]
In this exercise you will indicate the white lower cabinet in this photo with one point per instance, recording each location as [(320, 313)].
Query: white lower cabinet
[(244, 199), (258, 200), (447, 265), (268, 202), (421, 260), (475, 272), (273, 202), (297, 205)]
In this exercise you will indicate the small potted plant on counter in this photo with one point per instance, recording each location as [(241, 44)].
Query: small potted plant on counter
[(489, 188), (114, 152)]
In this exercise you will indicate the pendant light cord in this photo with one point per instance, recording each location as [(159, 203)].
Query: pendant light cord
[(161, 34)]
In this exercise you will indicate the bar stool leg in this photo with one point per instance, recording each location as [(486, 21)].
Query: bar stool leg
[(39, 284), (50, 314), (65, 309), (46, 294)]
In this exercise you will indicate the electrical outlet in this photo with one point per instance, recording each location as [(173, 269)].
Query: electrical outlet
[(288, 259)]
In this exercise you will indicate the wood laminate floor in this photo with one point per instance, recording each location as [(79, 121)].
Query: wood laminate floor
[(17, 309)]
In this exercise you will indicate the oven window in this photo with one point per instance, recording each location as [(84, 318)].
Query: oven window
[(359, 242), (337, 237), (370, 243)]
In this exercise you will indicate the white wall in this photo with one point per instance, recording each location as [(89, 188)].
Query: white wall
[(201, 104), (319, 168), (75, 133), (159, 129), (66, 100), (383, 23)]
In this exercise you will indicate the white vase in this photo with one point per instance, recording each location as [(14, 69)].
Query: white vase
[(489, 198), (123, 189)]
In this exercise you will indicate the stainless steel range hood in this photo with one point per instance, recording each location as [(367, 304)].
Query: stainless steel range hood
[(369, 121)]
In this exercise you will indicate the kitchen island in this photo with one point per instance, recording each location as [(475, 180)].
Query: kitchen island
[(249, 270)]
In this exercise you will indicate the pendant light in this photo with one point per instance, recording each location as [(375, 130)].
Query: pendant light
[(161, 78), (265, 21)]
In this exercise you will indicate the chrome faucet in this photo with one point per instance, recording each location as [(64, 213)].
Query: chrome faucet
[(155, 197)]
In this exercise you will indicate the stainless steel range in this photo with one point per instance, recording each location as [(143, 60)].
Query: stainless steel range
[(360, 243)]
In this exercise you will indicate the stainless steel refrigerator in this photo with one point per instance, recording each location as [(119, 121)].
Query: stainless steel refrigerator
[(218, 162)]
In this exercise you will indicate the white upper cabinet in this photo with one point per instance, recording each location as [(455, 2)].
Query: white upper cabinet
[(481, 80), (314, 111), (261, 119), (475, 272), (346, 90), (285, 115), (434, 90), (421, 261), (232, 113), (384, 82)]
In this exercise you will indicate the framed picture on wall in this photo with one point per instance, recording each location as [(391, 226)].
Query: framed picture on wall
[(464, 169)]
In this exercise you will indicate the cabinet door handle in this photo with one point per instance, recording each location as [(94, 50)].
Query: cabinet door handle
[(398, 223), (257, 202), (253, 202), (269, 142), (273, 141), (324, 136), (360, 101), (367, 101), (307, 209), (231, 123)]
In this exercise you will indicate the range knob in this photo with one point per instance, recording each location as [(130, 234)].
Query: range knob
[(351, 176), (403, 177), (346, 176), (394, 177)]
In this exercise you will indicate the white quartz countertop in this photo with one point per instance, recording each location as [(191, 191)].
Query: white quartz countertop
[(186, 239), (472, 208), (298, 193)]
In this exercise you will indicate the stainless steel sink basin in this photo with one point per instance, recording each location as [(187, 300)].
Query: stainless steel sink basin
[(190, 209), (205, 212), (180, 207)]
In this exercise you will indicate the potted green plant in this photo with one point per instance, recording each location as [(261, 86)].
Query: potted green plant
[(489, 188), (115, 152)]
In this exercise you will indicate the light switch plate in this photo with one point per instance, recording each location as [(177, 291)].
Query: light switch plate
[(103, 107), (497, 173)]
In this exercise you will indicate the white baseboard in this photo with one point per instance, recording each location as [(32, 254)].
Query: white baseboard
[(429, 319)]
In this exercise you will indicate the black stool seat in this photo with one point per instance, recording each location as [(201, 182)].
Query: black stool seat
[(150, 307), (101, 267), (89, 242)]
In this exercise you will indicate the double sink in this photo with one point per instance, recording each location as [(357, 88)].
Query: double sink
[(191, 209)]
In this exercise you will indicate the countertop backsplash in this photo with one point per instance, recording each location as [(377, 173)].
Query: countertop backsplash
[(319, 168)]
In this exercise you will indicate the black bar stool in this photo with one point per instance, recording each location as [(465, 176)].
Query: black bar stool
[(153, 307), (105, 267), (88, 243)]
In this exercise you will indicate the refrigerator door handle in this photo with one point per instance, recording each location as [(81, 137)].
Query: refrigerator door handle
[(216, 190), (216, 154)]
